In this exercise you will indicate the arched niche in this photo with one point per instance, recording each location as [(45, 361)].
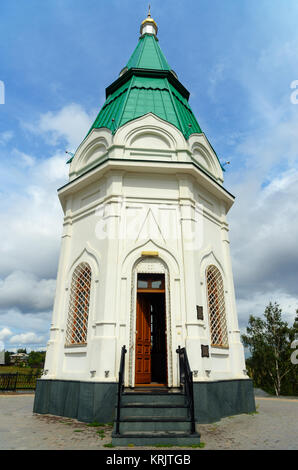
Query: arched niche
[(150, 139)]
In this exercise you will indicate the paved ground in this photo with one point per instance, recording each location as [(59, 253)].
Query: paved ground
[(274, 426)]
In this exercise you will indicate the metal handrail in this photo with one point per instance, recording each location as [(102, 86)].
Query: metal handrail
[(186, 381), (120, 386)]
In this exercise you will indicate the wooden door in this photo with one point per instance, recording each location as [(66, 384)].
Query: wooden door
[(143, 340), (158, 341)]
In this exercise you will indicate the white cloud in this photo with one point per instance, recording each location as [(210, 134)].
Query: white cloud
[(264, 222), (256, 303), (70, 124), (264, 233), (26, 338), (31, 219), (31, 226), (30, 214), (217, 75), (5, 137), (27, 160), (15, 320), (5, 333), (24, 291)]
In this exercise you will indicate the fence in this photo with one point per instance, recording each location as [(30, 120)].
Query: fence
[(18, 381)]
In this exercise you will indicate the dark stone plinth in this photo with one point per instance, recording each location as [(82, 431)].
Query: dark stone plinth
[(84, 401), (215, 400), (95, 401)]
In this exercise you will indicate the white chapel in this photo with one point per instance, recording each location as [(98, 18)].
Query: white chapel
[(145, 307)]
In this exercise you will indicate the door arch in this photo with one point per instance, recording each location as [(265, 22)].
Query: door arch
[(150, 266)]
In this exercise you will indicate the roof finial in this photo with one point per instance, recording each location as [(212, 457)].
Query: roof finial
[(148, 25)]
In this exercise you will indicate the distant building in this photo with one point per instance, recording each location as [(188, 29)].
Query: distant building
[(2, 357), (18, 357)]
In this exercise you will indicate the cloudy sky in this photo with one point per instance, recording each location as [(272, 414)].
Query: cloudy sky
[(237, 58)]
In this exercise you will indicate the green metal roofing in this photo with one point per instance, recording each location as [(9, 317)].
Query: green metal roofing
[(148, 55), (147, 86)]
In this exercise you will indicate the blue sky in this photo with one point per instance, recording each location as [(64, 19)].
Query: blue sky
[(238, 60)]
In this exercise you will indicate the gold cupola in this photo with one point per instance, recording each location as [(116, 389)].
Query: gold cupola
[(148, 26)]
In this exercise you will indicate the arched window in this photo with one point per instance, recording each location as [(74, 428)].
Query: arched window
[(77, 322), (216, 307)]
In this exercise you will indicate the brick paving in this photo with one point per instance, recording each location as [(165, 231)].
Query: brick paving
[(274, 426)]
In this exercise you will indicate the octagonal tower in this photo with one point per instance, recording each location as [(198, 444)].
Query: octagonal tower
[(145, 257)]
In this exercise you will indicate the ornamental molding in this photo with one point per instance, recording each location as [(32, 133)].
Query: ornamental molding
[(90, 256), (150, 122), (133, 256), (208, 257)]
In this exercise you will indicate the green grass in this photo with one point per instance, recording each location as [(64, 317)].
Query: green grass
[(108, 445), (15, 369), (95, 424), (101, 434), (201, 445), (214, 427), (254, 412), (164, 445), (195, 446)]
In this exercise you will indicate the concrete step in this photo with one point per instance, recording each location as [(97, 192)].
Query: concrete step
[(140, 410), (157, 438), (153, 424), (155, 399)]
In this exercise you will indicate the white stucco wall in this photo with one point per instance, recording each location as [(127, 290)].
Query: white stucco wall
[(155, 190)]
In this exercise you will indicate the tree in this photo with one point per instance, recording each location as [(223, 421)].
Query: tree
[(36, 359), (269, 342), (7, 358)]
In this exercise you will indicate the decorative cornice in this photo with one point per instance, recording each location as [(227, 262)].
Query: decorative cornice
[(151, 73), (134, 161)]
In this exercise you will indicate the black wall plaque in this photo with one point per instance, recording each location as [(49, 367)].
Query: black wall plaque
[(200, 315), (205, 350)]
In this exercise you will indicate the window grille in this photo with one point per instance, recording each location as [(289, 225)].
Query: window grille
[(216, 307), (77, 322)]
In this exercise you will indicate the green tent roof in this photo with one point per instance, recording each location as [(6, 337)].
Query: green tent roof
[(148, 55), (147, 85)]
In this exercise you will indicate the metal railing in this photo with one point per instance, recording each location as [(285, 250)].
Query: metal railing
[(18, 381), (187, 384), (120, 386)]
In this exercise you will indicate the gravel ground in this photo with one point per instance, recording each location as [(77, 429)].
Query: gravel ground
[(274, 426)]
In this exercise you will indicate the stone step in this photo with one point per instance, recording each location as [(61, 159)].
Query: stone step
[(156, 398), (154, 390), (153, 424), (157, 438), (143, 410)]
